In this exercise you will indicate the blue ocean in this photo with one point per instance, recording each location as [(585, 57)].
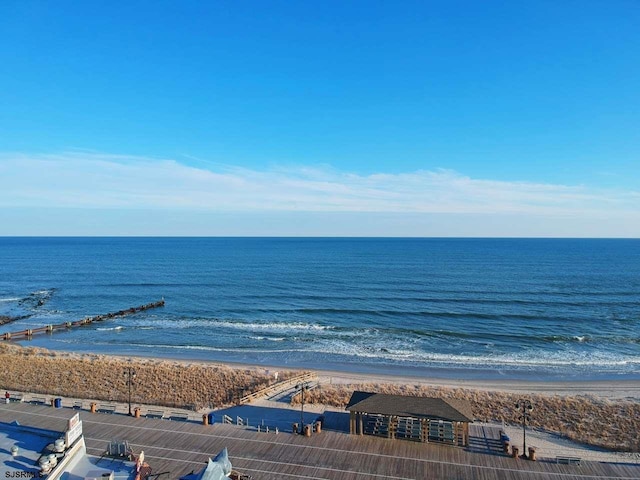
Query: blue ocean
[(458, 308)]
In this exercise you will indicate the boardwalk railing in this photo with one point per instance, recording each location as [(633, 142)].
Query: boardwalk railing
[(279, 386)]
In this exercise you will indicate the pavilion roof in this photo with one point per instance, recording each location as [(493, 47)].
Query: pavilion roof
[(409, 406)]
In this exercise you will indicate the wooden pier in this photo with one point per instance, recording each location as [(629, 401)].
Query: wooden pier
[(28, 333)]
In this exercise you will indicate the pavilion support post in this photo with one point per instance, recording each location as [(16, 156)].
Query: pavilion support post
[(360, 423), (352, 423)]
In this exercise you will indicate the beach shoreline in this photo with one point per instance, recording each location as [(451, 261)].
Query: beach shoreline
[(433, 373), (603, 388), (623, 389)]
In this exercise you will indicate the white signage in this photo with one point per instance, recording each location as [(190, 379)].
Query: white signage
[(73, 433), (73, 421)]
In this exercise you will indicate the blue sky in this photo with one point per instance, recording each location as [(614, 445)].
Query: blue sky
[(320, 118)]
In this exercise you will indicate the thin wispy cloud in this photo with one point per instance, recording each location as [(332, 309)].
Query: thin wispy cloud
[(94, 180)]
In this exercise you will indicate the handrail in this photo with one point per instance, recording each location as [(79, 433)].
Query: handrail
[(303, 377)]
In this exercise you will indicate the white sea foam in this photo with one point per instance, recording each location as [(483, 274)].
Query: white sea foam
[(43, 292), (10, 299), (205, 323), (205, 348), (271, 339), (273, 326), (531, 359), (328, 351)]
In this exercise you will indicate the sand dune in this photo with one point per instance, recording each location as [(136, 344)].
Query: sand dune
[(101, 377)]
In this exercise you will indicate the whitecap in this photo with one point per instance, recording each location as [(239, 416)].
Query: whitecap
[(10, 299)]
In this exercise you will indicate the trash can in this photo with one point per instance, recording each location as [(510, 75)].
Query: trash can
[(136, 412), (57, 403), (211, 418), (92, 407), (295, 428), (532, 453), (205, 419), (505, 442), (318, 427), (514, 451), (307, 430)]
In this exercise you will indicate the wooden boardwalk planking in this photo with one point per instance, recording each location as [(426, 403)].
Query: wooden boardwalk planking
[(180, 447)]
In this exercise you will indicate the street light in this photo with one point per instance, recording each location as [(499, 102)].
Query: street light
[(130, 373), (524, 407), (302, 387)]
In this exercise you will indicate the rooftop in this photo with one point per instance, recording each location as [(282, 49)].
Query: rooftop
[(29, 441), (32, 442), (409, 406)]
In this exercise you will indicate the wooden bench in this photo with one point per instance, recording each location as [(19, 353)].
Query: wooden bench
[(568, 460), (16, 397), (182, 417), (77, 405), (37, 401), (154, 414), (106, 408)]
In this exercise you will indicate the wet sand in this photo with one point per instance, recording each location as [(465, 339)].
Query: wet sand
[(603, 389)]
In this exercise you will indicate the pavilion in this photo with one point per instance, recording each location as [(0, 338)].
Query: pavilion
[(421, 419)]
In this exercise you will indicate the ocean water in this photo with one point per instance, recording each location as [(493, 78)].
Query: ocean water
[(458, 308)]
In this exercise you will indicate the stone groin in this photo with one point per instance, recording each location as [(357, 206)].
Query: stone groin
[(28, 333), (4, 319)]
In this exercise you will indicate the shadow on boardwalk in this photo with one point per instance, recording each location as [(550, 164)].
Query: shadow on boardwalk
[(283, 418), (483, 439)]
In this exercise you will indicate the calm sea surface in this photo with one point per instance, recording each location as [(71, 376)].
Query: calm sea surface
[(495, 308)]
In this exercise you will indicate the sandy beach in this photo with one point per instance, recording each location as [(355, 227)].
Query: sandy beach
[(604, 389), (604, 414)]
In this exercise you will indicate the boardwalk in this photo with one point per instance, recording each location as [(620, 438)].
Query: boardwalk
[(180, 447)]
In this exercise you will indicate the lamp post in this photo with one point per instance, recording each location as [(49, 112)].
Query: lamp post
[(524, 407), (130, 373), (302, 387)]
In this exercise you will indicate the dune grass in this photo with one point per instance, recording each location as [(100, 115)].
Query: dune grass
[(102, 377)]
